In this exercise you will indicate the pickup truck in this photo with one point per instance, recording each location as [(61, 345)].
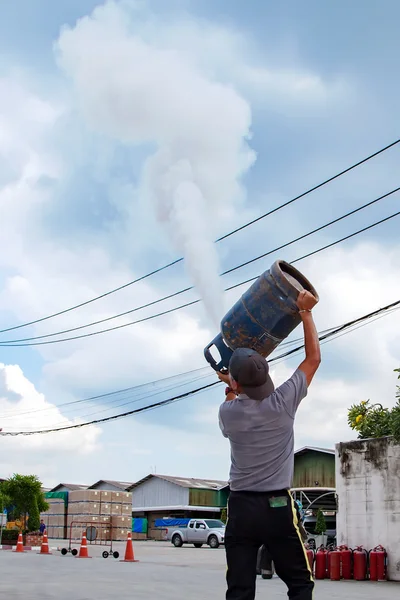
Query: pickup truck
[(199, 532)]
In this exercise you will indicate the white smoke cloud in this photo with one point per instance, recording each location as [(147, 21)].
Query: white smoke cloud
[(138, 92)]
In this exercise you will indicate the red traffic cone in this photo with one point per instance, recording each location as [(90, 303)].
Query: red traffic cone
[(44, 548), (129, 555), (83, 551), (20, 544)]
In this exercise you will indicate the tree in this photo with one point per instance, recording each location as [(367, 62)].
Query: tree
[(26, 497), (320, 526), (224, 515), (374, 421)]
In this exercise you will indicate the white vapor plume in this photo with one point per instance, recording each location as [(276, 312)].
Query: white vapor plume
[(130, 88)]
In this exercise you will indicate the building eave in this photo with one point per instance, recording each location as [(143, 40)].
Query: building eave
[(187, 507)]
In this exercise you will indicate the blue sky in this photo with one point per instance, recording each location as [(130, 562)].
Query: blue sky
[(308, 89)]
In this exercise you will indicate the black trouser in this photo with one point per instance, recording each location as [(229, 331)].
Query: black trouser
[(256, 518)]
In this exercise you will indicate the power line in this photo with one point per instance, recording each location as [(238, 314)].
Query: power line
[(332, 334), (117, 395), (23, 342), (178, 260), (136, 400), (240, 266)]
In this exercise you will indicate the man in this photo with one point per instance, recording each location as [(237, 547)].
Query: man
[(258, 421), (42, 527)]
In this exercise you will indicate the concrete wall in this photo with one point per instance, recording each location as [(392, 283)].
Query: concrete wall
[(159, 492), (368, 489)]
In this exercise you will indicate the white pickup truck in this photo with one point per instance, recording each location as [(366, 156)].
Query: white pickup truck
[(199, 532)]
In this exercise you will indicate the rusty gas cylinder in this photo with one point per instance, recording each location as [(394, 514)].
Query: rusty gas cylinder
[(263, 317)]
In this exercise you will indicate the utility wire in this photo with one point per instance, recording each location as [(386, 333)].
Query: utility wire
[(332, 334), (136, 400), (144, 389), (118, 395), (244, 264), (178, 260), (29, 341)]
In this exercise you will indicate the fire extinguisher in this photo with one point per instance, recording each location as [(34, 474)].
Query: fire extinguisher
[(320, 563), (360, 563), (347, 562), (377, 564), (310, 558), (335, 560)]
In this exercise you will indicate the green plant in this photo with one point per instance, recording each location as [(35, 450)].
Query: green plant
[(34, 517), (320, 525), (25, 495), (9, 534), (374, 421), (224, 515)]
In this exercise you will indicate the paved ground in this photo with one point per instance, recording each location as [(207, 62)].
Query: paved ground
[(164, 572)]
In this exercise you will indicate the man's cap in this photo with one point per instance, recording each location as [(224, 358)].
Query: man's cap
[(251, 371)]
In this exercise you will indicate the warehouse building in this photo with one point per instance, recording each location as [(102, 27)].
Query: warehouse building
[(160, 496), (314, 478)]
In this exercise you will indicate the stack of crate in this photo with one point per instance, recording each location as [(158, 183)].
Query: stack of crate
[(83, 512), (110, 512), (55, 518), (121, 514)]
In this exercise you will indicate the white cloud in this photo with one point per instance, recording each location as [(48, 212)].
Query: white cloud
[(23, 408)]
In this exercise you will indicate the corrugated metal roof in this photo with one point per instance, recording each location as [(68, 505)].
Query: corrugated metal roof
[(123, 485), (72, 487), (315, 449), (190, 482)]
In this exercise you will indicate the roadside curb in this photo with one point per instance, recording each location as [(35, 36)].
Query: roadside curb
[(26, 548)]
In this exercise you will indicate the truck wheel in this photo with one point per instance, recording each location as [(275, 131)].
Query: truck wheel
[(197, 545), (213, 541), (177, 541)]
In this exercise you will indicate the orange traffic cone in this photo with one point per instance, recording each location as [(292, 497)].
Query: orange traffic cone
[(44, 548), (129, 555), (20, 544), (83, 551)]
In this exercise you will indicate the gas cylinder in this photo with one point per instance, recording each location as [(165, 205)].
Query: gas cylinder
[(347, 562), (310, 557), (335, 561), (360, 563), (263, 317), (377, 564), (320, 563)]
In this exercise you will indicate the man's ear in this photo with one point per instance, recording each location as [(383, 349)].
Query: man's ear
[(234, 384)]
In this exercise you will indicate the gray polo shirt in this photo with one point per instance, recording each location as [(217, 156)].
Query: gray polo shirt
[(261, 437)]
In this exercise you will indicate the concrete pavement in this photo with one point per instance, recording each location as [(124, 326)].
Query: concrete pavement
[(164, 572)]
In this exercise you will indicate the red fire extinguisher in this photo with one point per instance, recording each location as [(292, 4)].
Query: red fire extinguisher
[(360, 563), (320, 563), (347, 562), (377, 564), (335, 560), (310, 558)]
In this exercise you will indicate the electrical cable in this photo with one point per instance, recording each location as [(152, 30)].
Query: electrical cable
[(332, 334), (136, 400), (23, 342), (158, 270), (117, 394), (244, 264)]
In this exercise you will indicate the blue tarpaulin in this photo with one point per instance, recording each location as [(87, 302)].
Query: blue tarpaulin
[(171, 522)]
